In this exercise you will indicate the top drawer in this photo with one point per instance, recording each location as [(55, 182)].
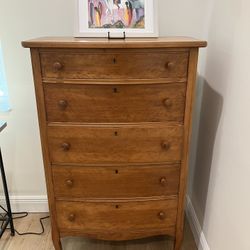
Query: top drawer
[(114, 64)]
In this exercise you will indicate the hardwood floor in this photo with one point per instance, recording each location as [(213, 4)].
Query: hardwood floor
[(43, 242)]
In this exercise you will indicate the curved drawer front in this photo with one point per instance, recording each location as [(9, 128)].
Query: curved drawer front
[(111, 103), (115, 144), (122, 220), (115, 182), (116, 64)]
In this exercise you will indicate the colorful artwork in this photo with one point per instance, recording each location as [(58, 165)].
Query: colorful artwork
[(116, 14), (101, 18)]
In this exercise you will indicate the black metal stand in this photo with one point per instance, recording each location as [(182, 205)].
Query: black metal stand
[(123, 37), (7, 218)]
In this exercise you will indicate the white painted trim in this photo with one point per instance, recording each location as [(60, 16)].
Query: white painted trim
[(199, 236), (31, 203)]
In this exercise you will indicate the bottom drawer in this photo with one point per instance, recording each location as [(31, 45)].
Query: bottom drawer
[(117, 220)]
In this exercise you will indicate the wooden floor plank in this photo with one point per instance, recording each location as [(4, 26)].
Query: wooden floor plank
[(44, 242)]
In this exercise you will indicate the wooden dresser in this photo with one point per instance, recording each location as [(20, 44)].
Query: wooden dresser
[(115, 122)]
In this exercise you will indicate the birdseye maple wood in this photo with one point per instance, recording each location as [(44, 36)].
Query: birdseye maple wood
[(113, 64), (118, 219), (115, 103), (112, 181), (115, 123), (114, 144)]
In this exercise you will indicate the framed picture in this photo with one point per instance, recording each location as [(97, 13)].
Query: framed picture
[(97, 18)]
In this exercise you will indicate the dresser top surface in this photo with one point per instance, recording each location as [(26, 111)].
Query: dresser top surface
[(71, 42)]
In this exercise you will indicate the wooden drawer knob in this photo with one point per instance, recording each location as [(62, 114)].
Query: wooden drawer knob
[(69, 183), (161, 215), (71, 217), (163, 181), (166, 145), (168, 102), (57, 66), (169, 65), (65, 146), (63, 104)]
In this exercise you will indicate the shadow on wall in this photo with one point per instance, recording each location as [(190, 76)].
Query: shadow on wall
[(210, 112)]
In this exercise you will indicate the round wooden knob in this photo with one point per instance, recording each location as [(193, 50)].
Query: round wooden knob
[(161, 215), (165, 145), (63, 104), (168, 102), (169, 65), (71, 217), (163, 181), (69, 183), (57, 66), (65, 146)]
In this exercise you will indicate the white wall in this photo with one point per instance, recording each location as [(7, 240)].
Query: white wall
[(20, 20), (220, 187)]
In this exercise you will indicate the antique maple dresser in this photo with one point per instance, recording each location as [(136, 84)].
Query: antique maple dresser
[(115, 122)]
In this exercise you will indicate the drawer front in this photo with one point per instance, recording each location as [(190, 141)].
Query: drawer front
[(115, 182), (129, 64), (123, 103), (118, 220), (110, 144)]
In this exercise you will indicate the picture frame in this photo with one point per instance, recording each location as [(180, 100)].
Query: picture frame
[(116, 18)]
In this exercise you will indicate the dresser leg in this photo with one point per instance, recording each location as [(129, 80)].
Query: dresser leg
[(56, 240), (57, 244), (177, 243)]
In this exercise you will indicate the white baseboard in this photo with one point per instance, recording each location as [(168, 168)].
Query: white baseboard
[(32, 204), (199, 236)]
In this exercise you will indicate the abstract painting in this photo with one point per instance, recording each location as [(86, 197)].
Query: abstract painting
[(98, 18), (118, 14)]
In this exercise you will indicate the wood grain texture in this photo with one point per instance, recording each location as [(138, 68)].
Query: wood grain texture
[(187, 136), (113, 64), (71, 42), (114, 144), (112, 182), (91, 135), (115, 103), (43, 133), (44, 242), (117, 220)]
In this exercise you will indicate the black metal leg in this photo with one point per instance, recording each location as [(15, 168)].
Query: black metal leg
[(6, 193)]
